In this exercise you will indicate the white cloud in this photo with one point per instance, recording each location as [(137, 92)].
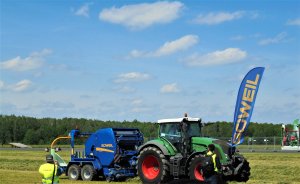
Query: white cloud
[(218, 18), (1, 84), (237, 38), (136, 54), (277, 39), (170, 88), (139, 16), (137, 102), (168, 48), (33, 61), (140, 109), (20, 86), (293, 22), (84, 10), (132, 77), (125, 89), (219, 57), (180, 44), (244, 37), (253, 15)]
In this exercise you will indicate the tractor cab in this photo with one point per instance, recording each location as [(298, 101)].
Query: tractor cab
[(180, 131), (174, 129)]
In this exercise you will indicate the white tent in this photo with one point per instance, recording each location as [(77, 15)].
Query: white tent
[(19, 145)]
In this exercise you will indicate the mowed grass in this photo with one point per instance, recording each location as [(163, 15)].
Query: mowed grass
[(21, 166), (281, 168)]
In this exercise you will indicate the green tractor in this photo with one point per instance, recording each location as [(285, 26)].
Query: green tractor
[(178, 151)]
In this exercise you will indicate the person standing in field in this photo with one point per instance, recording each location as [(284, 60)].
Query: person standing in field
[(214, 177), (50, 171)]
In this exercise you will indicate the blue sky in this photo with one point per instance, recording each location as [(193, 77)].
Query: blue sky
[(125, 60)]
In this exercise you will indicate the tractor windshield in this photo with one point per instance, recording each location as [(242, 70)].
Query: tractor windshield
[(172, 131)]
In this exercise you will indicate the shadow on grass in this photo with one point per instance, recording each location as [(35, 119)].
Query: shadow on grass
[(184, 181), (180, 181)]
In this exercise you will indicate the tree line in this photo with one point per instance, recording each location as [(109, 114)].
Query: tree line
[(30, 130)]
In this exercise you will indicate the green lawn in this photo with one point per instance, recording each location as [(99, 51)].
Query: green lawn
[(21, 166)]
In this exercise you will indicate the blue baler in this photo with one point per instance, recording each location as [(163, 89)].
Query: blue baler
[(109, 152)]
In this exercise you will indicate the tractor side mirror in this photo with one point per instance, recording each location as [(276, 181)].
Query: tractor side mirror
[(200, 124)]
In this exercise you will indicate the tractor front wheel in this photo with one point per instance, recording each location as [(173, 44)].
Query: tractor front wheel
[(74, 172), (153, 166), (244, 172), (195, 169)]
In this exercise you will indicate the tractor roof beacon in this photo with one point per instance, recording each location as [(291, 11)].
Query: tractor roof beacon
[(178, 152)]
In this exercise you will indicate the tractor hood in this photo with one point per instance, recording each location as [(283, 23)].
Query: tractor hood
[(223, 149), (200, 144), (202, 140)]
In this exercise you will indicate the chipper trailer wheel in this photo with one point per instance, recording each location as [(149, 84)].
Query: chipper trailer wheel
[(194, 169), (74, 172), (152, 166), (88, 173)]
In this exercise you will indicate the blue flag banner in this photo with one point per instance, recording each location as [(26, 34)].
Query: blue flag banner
[(245, 104)]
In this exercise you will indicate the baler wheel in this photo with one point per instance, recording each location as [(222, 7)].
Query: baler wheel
[(153, 166), (194, 169), (74, 172), (88, 173)]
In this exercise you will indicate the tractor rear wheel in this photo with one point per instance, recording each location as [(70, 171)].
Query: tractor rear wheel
[(74, 172), (244, 172), (195, 169), (88, 173), (153, 167)]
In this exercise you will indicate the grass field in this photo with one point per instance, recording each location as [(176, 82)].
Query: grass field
[(21, 166)]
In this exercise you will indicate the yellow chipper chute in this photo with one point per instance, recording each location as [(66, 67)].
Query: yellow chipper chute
[(53, 150)]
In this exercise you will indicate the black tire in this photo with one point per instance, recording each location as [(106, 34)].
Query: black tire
[(88, 173), (244, 172), (109, 179), (153, 167), (74, 172), (194, 169)]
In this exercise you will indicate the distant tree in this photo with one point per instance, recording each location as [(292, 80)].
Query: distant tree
[(32, 137), (4, 133), (43, 131)]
